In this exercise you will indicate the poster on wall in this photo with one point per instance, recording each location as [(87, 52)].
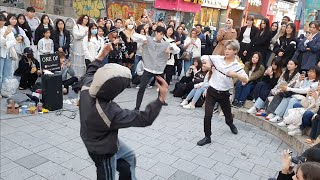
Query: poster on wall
[(38, 4), (124, 10)]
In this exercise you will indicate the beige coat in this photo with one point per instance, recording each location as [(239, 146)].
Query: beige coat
[(222, 37)]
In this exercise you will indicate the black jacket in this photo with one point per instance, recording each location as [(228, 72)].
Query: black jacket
[(66, 44), (285, 176), (39, 33), (261, 42), (101, 118), (287, 46), (24, 67), (253, 32)]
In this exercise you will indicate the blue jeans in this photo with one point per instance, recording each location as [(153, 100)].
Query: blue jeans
[(186, 65), (124, 161), (306, 119), (5, 69), (195, 94), (285, 105), (242, 92), (137, 58), (106, 59), (259, 104)]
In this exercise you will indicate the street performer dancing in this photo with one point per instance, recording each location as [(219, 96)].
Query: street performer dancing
[(224, 69), (101, 118)]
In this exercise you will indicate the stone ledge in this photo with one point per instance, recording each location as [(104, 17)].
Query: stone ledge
[(296, 142)]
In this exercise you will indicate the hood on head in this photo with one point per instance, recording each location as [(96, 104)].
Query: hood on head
[(109, 81)]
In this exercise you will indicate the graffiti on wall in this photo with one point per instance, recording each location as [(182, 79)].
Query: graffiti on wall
[(38, 4), (92, 8), (124, 10)]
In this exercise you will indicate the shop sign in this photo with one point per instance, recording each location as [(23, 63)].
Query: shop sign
[(215, 3), (312, 4), (255, 2), (178, 5), (194, 1)]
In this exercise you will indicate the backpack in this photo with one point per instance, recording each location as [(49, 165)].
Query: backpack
[(180, 89)]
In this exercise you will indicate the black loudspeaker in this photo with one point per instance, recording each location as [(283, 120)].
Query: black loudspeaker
[(52, 97)]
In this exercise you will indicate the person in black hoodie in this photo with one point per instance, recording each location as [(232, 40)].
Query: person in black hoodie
[(285, 47), (28, 70), (45, 24), (261, 41), (61, 38), (101, 117), (247, 33)]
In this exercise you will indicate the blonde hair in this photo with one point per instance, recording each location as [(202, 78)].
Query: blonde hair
[(234, 44), (128, 21)]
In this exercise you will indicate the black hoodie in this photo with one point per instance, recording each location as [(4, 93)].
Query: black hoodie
[(100, 117)]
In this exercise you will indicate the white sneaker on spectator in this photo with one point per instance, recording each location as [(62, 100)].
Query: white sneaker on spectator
[(138, 87), (296, 132), (270, 116), (184, 102), (252, 110), (275, 119), (149, 87), (189, 106), (282, 124)]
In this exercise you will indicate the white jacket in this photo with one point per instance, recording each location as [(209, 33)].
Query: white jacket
[(6, 43), (195, 49), (174, 49), (79, 32), (91, 48)]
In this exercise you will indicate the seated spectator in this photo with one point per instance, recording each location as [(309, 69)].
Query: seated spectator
[(46, 45), (187, 79), (199, 88), (302, 87), (66, 70), (289, 79), (263, 88), (28, 69), (254, 70)]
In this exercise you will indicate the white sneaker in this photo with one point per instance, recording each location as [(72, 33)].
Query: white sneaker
[(252, 110), (189, 106), (270, 116), (296, 132), (184, 102), (275, 119), (149, 87), (138, 87), (282, 124)]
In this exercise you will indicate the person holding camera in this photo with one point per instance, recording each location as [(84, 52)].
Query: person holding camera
[(224, 34), (28, 69)]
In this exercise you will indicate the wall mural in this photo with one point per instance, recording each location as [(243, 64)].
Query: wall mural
[(38, 4), (124, 10), (92, 8)]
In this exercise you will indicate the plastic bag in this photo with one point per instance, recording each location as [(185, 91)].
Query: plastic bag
[(9, 87)]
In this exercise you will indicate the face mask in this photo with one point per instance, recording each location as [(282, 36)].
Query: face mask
[(94, 31), (130, 26), (30, 56)]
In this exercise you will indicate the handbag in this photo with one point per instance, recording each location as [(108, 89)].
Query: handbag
[(187, 55), (13, 54)]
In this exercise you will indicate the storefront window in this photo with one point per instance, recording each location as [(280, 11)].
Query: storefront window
[(207, 17)]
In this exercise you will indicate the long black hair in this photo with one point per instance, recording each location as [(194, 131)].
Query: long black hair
[(258, 63), (294, 32), (139, 28), (267, 28), (173, 32), (56, 27), (276, 31), (25, 26), (91, 25), (16, 27), (286, 74), (316, 69)]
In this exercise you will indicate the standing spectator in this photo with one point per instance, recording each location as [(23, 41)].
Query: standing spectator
[(180, 38), (7, 41), (21, 38), (286, 46), (61, 38), (44, 24), (201, 37), (224, 34), (145, 19), (254, 69), (172, 23), (126, 36), (118, 24), (28, 70), (23, 24), (219, 86), (170, 38), (79, 31), (152, 29), (246, 36), (209, 42), (274, 31), (286, 19), (261, 41), (91, 44), (185, 30), (138, 56), (32, 21), (46, 45), (108, 25), (119, 50), (192, 44), (308, 50)]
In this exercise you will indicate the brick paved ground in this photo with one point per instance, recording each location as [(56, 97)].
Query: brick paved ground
[(49, 147)]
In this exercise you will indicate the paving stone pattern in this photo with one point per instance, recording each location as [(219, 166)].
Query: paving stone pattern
[(49, 147)]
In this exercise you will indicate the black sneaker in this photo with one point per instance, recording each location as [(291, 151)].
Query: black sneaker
[(165, 104), (240, 104), (235, 103), (233, 129), (204, 141)]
